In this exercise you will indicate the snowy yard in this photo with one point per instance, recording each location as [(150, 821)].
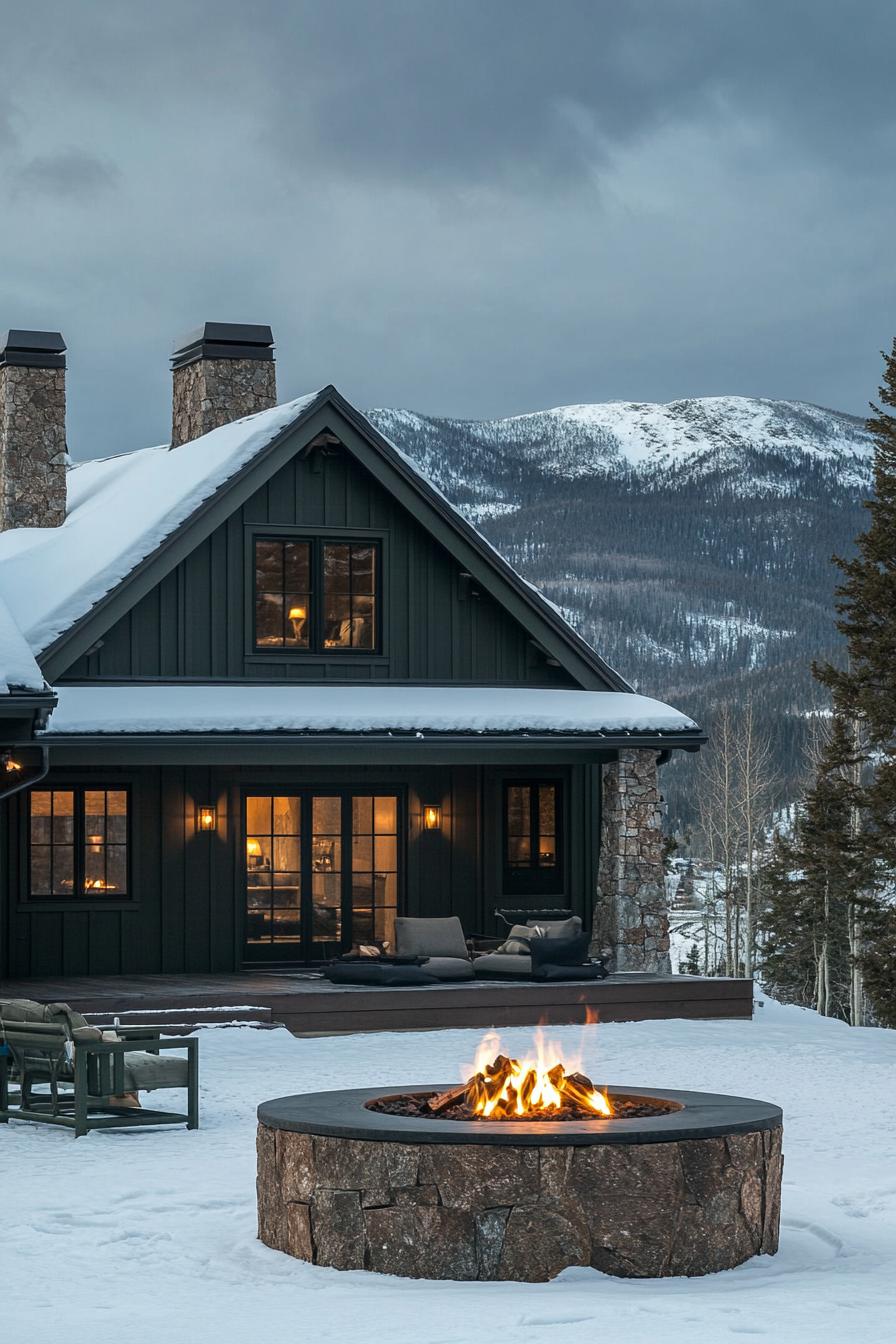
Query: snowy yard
[(150, 1236)]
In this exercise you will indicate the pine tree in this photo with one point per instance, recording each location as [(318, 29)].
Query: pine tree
[(866, 690), (814, 880), (691, 964)]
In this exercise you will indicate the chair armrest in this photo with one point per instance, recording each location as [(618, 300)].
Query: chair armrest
[(128, 1033)]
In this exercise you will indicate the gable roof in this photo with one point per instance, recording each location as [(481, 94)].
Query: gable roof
[(126, 513), (120, 510)]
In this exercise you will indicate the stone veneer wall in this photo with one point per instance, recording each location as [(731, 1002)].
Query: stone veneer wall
[(458, 1211), (631, 922), (212, 392), (32, 447)]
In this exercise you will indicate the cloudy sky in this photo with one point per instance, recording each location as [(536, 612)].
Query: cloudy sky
[(467, 207)]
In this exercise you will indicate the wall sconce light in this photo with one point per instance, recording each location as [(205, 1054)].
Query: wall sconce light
[(432, 817), (10, 764), (206, 817)]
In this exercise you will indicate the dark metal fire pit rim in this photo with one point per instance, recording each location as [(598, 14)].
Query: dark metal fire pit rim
[(344, 1114)]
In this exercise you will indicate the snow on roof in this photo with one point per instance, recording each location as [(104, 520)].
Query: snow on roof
[(18, 670), (262, 708), (120, 509)]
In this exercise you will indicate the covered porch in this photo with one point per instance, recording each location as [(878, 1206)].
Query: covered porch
[(271, 827)]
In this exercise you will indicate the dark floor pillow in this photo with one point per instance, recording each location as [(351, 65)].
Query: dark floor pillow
[(370, 973), (549, 972), (559, 951)]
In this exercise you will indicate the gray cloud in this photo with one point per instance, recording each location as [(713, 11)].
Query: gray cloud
[(467, 208), (72, 173)]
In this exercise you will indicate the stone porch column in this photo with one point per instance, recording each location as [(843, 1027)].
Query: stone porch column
[(631, 923)]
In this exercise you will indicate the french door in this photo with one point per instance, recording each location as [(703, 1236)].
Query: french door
[(322, 872)]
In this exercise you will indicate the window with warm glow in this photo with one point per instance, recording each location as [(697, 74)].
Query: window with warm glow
[(282, 594), (316, 596), (78, 842), (533, 837)]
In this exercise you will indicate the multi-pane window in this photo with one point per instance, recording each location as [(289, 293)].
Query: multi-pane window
[(533, 837), (316, 595), (78, 842)]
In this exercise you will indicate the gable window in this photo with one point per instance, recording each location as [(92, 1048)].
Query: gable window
[(78, 842), (533, 837), (316, 595)]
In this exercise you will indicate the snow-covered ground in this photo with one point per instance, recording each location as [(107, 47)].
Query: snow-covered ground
[(149, 1237)]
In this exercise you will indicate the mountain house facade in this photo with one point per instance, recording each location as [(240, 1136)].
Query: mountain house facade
[(264, 689)]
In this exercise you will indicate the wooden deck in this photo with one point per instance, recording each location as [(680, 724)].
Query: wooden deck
[(307, 1004)]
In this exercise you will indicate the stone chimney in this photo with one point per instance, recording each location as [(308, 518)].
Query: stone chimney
[(222, 371), (32, 429)]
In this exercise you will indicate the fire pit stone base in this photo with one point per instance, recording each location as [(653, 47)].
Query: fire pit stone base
[(519, 1211)]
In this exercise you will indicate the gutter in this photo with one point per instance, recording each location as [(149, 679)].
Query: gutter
[(665, 743)]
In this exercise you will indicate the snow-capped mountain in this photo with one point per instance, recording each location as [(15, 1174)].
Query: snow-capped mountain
[(689, 438), (691, 543)]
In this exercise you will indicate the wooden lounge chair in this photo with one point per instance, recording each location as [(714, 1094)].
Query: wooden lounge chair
[(84, 1076)]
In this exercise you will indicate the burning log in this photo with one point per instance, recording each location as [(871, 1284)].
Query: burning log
[(443, 1101)]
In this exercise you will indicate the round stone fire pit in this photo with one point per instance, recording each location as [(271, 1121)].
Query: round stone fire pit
[(687, 1191)]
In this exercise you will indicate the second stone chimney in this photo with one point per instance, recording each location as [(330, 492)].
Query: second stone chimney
[(222, 371), (32, 429)]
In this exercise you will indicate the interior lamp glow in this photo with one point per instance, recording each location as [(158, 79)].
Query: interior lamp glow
[(432, 817), (206, 817), (253, 851)]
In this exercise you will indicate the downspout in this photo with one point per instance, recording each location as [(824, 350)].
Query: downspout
[(21, 784)]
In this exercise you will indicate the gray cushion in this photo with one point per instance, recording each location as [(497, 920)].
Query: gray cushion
[(502, 963), (58, 1014), (144, 1072), (449, 968), (430, 937), (22, 1010), (557, 928)]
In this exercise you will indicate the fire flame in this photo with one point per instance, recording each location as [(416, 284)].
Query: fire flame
[(505, 1089)]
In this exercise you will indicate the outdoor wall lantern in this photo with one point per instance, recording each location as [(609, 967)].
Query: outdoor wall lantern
[(206, 817), (10, 765), (432, 817)]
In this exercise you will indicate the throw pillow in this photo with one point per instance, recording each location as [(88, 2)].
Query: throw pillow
[(559, 951), (558, 928), (518, 938)]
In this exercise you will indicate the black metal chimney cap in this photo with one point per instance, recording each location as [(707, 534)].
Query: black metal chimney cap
[(224, 340), (32, 349)]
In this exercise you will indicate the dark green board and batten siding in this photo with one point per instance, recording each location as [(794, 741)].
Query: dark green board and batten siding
[(198, 621), (187, 907)]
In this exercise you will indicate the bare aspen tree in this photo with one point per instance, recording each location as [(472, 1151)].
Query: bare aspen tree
[(754, 784)]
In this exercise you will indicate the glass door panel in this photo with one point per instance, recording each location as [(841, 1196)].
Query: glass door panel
[(374, 890), (322, 873), (326, 875), (273, 877)]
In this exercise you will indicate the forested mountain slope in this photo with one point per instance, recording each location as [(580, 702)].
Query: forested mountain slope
[(690, 543)]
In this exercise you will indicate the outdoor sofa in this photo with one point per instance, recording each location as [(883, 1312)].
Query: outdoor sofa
[(433, 951)]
